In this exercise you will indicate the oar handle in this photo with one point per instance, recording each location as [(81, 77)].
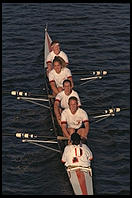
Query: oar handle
[(62, 138), (51, 96)]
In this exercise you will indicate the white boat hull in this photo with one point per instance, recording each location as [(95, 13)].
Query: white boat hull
[(81, 180)]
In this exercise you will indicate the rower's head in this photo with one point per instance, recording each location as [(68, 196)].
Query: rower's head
[(55, 46), (57, 64), (73, 104), (67, 86), (75, 139)]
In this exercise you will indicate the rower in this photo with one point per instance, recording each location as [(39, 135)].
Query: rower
[(74, 119), (76, 153), (61, 100), (55, 47), (57, 75)]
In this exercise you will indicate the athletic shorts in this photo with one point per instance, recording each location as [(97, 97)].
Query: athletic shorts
[(82, 126)]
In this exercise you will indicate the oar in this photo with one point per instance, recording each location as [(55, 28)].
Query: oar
[(107, 113), (35, 142), (40, 141), (23, 96), (90, 79), (22, 93), (29, 98), (62, 138), (47, 147), (97, 75), (27, 135), (86, 72)]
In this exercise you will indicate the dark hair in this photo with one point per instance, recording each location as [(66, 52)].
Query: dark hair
[(54, 42), (75, 138), (72, 98), (67, 80), (60, 60), (57, 59)]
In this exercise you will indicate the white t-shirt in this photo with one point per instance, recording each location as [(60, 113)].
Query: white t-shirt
[(77, 155), (59, 78), (63, 98), (74, 120), (52, 55)]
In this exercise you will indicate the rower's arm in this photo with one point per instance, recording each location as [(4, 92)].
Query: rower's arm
[(64, 129), (49, 66), (54, 88), (57, 111), (70, 78), (86, 124)]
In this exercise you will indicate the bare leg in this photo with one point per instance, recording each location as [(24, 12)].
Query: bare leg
[(82, 133), (71, 130)]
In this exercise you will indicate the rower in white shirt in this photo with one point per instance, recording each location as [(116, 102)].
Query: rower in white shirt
[(74, 119), (77, 154), (55, 47), (61, 100), (57, 75)]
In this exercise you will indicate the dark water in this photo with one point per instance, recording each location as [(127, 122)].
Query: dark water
[(94, 36)]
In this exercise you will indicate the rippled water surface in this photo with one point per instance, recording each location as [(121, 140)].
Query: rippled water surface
[(95, 36)]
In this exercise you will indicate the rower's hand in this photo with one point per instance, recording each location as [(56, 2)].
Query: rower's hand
[(60, 89), (69, 140), (59, 122), (84, 140), (50, 67)]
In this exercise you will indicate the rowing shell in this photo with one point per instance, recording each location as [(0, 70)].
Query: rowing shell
[(81, 180), (80, 177)]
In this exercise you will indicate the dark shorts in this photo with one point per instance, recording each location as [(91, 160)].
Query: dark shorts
[(82, 126)]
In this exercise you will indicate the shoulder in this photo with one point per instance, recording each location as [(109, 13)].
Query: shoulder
[(66, 70), (52, 72), (82, 110), (60, 94), (85, 147), (52, 75), (65, 111), (83, 114), (74, 93), (50, 54), (62, 53), (68, 147)]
